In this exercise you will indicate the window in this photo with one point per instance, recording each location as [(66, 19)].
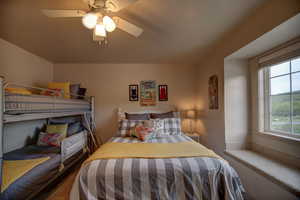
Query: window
[(282, 97)]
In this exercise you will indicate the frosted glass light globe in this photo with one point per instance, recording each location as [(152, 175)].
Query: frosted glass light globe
[(109, 24), (89, 20), (100, 30)]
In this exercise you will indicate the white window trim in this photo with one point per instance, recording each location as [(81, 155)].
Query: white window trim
[(265, 105)]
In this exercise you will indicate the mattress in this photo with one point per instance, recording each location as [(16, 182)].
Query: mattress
[(172, 178), (37, 177), (20, 104)]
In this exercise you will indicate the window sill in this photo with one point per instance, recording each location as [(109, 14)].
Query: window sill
[(284, 175), (280, 136)]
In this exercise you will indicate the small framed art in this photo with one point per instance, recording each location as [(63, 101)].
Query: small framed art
[(133, 92), (148, 93), (213, 92), (163, 92)]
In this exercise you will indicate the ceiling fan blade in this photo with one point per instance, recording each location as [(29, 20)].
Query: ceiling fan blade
[(63, 13), (128, 27), (117, 5)]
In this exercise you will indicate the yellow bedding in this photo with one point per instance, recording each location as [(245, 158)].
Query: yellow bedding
[(151, 150), (18, 91), (14, 169)]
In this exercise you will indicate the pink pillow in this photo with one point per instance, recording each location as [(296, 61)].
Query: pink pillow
[(144, 133), (49, 139)]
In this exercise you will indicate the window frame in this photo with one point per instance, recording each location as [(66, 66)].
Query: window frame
[(267, 98)]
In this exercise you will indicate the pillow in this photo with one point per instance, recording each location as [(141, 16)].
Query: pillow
[(158, 127), (49, 139), (64, 86), (81, 92), (172, 126), (162, 115), (144, 133), (74, 128), (146, 123), (56, 92), (74, 89), (18, 91), (132, 132), (125, 126), (143, 116), (58, 129)]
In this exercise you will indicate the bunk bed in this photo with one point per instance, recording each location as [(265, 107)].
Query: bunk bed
[(16, 107)]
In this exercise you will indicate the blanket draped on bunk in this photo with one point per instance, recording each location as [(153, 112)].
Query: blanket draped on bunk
[(151, 150), (14, 169)]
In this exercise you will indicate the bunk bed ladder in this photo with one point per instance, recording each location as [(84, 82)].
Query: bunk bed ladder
[(1, 125), (93, 121), (88, 123)]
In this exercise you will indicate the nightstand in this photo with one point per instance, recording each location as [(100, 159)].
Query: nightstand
[(194, 136)]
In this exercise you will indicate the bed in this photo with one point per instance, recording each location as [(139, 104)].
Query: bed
[(174, 178), (22, 103), (157, 178), (60, 158)]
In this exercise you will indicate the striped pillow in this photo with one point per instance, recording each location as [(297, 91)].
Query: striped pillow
[(158, 127), (172, 126), (125, 125)]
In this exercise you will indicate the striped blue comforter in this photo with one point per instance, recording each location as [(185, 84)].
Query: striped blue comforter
[(173, 178)]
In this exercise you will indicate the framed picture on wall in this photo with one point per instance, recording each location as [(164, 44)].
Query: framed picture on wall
[(163, 92), (148, 93), (133, 92), (213, 92)]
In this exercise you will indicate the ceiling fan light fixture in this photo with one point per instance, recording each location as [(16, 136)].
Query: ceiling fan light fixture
[(109, 24), (100, 30), (89, 20)]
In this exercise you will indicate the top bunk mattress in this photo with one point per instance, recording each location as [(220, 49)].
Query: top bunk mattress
[(20, 104)]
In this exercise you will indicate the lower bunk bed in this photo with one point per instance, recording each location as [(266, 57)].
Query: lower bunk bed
[(54, 162)]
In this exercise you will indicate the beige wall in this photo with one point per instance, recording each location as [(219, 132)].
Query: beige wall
[(261, 21), (109, 84), (20, 66)]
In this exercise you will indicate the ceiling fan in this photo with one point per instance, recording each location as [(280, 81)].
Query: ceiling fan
[(98, 17)]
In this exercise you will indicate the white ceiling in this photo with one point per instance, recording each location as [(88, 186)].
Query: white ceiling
[(174, 31)]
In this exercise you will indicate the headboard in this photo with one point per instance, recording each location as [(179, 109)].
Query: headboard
[(153, 109)]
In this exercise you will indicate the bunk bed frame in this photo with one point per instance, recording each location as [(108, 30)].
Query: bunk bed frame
[(18, 107)]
